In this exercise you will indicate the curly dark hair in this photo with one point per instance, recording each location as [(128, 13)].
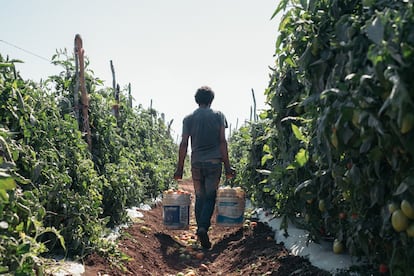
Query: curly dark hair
[(204, 95)]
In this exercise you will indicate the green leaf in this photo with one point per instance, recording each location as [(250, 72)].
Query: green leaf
[(265, 158), (264, 181), (20, 227), (282, 6), (266, 148), (4, 269), (376, 193), (23, 248), (290, 61), (15, 155), (4, 64), (263, 115), (298, 134), (290, 167), (355, 174), (375, 31), (302, 157), (304, 4), (266, 189), (406, 184), (4, 196), (7, 183)]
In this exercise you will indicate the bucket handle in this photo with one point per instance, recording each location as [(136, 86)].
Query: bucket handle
[(228, 182)]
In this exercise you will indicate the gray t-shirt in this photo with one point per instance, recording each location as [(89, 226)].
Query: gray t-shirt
[(203, 126)]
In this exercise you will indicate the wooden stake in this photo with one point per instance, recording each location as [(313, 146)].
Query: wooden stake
[(76, 90), (84, 93), (129, 96), (116, 105)]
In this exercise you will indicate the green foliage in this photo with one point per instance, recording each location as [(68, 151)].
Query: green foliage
[(340, 125), (247, 155), (56, 195), (54, 157), (21, 216), (135, 154)]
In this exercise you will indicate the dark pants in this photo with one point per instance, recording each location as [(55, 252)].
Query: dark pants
[(206, 178)]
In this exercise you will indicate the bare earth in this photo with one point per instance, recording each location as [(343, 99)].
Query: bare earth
[(155, 250)]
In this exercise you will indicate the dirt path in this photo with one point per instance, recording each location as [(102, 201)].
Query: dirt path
[(155, 250)]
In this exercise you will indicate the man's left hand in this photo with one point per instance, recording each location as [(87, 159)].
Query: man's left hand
[(230, 173)]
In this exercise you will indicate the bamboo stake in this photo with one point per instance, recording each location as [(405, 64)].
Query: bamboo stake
[(152, 122), (115, 87), (169, 126), (84, 93), (113, 77), (254, 107), (76, 90)]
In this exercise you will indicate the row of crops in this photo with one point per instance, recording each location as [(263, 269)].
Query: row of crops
[(334, 151), (57, 194)]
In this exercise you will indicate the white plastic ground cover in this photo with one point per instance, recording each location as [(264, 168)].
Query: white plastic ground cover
[(320, 255), (58, 266)]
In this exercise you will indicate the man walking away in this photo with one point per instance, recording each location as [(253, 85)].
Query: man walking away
[(208, 152)]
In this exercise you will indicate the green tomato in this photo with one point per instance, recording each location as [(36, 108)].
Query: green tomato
[(399, 221), (337, 247), (321, 205), (410, 230), (407, 123), (407, 209), (392, 207)]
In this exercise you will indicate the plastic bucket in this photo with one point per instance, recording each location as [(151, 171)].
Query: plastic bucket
[(230, 205), (176, 210)]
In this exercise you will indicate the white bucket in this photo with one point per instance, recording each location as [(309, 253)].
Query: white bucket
[(176, 210), (230, 205)]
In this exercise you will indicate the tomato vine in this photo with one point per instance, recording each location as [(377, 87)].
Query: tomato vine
[(57, 196), (336, 148)]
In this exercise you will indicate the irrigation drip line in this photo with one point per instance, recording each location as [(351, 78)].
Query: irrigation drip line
[(24, 50)]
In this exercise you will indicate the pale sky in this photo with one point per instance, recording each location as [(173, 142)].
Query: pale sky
[(166, 49)]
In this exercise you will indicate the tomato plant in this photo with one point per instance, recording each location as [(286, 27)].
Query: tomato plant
[(57, 195), (339, 126), (21, 213)]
